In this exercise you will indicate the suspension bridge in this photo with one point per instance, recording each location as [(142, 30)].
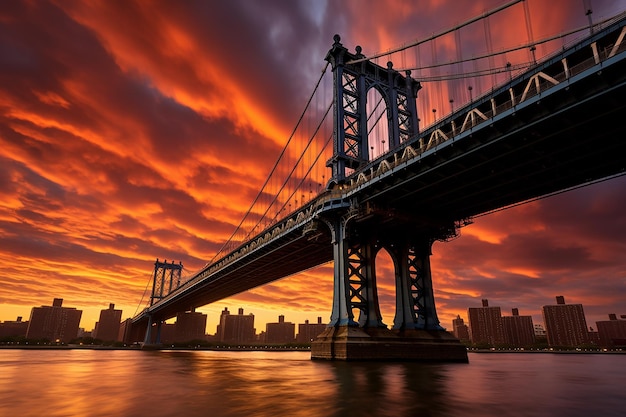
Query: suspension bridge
[(358, 174)]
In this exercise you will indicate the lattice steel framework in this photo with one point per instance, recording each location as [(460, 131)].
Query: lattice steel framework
[(363, 294), (351, 82), (355, 277), (166, 278), (415, 302)]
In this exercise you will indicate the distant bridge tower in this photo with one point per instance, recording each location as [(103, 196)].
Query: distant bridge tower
[(353, 77), (360, 231), (165, 279)]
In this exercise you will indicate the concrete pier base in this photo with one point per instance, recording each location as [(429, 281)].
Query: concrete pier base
[(381, 344)]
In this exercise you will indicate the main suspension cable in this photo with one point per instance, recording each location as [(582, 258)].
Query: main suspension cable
[(291, 173), (438, 35), (504, 51), (282, 153)]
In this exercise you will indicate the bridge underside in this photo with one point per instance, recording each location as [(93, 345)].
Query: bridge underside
[(567, 138), (283, 257)]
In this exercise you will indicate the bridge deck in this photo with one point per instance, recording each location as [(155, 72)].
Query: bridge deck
[(574, 135)]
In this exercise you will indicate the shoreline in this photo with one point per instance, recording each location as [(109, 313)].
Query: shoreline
[(279, 348), (573, 352)]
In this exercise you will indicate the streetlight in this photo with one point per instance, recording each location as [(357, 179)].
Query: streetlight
[(588, 13)]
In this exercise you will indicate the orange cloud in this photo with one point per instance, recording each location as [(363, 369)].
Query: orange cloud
[(132, 131)]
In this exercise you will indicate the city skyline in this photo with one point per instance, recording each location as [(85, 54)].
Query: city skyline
[(260, 326), (126, 130)]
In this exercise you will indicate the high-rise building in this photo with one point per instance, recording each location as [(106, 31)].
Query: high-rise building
[(518, 330), (485, 324), (54, 323), (565, 324), (307, 332), (460, 329), (612, 332), (190, 325), (281, 332), (15, 328), (236, 328), (108, 327)]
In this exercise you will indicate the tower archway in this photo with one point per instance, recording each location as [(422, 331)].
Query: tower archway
[(354, 77), (385, 285), (378, 123)]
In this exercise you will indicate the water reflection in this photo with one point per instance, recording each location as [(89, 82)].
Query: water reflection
[(383, 389), (273, 384)]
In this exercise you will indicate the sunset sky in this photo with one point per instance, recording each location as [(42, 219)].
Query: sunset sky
[(136, 130)]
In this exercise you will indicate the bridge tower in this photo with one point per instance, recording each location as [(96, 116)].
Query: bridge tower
[(166, 277), (358, 233), (353, 77)]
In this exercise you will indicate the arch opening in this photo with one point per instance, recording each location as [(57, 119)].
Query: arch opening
[(386, 286), (377, 123)]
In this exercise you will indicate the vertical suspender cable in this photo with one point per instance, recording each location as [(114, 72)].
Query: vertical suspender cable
[(529, 32)]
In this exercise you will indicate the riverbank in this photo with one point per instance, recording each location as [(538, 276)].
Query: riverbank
[(278, 348), (267, 348), (574, 351)]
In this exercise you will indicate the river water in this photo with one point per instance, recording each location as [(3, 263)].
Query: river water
[(274, 384)]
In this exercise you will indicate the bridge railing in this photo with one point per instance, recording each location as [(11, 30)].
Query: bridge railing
[(516, 71)]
